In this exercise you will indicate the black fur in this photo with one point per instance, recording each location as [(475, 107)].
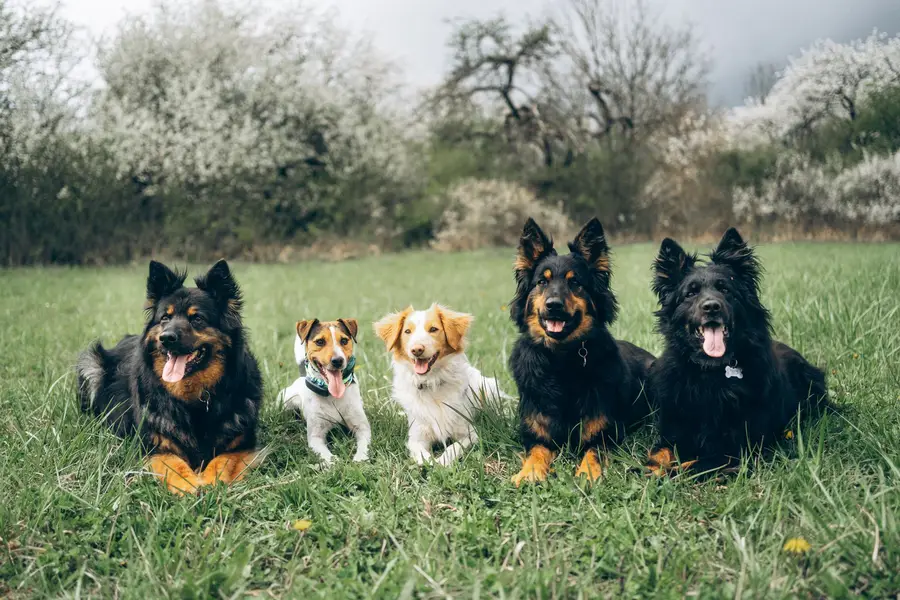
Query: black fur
[(121, 385), (581, 374), (703, 414)]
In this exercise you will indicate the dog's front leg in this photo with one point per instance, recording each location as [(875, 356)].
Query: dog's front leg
[(419, 445), (315, 438), (363, 433), (456, 449)]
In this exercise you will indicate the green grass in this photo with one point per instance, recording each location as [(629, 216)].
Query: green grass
[(77, 517)]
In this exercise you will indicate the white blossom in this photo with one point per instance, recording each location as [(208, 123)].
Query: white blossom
[(200, 92), (828, 80)]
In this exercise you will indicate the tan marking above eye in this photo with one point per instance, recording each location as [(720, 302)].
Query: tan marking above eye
[(170, 310), (570, 274), (192, 311), (548, 273)]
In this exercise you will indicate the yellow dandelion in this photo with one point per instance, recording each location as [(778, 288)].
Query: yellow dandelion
[(503, 307), (856, 355), (301, 524), (797, 546), (788, 435)]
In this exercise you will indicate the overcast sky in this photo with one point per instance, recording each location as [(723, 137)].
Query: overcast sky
[(739, 33)]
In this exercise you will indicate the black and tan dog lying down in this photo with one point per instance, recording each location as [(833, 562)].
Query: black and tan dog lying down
[(188, 386)]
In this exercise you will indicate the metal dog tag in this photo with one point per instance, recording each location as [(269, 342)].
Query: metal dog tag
[(733, 372)]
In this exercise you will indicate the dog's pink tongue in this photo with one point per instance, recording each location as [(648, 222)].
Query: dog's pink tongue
[(174, 369), (336, 385), (555, 326), (421, 366), (714, 341)]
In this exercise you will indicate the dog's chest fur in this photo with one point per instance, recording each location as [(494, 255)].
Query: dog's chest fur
[(714, 411), (329, 408), (442, 400)]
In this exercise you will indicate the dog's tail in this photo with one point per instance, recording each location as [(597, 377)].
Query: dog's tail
[(91, 371), (486, 388)]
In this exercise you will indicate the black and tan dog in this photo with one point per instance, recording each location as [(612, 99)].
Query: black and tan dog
[(722, 385), (188, 386), (577, 385)]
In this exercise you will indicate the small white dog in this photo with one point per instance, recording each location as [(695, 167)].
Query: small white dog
[(327, 393), (438, 389)]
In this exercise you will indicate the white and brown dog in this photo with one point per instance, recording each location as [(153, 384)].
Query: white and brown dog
[(438, 389), (327, 392)]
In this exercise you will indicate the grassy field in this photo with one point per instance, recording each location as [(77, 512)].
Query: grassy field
[(77, 516)]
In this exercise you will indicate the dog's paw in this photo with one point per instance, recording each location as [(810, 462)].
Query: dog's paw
[(361, 457), (590, 468), (662, 468), (446, 459), (530, 474), (536, 466), (421, 458)]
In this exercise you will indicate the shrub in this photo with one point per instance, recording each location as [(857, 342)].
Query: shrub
[(489, 213), (813, 195)]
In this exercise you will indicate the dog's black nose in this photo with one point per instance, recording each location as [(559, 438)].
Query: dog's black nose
[(711, 306), (554, 303), (168, 337), (337, 363)]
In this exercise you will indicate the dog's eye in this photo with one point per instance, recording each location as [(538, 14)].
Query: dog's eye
[(433, 330), (344, 341), (320, 342), (195, 319), (542, 282), (164, 319), (407, 331)]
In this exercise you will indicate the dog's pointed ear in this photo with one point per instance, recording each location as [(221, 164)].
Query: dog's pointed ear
[(670, 267), (590, 243), (162, 281), (304, 328), (221, 285), (734, 252), (533, 246), (455, 325), (351, 327), (390, 327)]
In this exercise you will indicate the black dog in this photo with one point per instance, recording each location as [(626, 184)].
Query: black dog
[(188, 386), (577, 385), (722, 384)]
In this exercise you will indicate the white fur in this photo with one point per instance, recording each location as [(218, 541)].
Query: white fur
[(442, 404), (337, 347), (324, 413)]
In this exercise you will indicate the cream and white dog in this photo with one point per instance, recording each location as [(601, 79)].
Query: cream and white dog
[(438, 389), (327, 393)]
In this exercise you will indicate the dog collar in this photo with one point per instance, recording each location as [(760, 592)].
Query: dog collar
[(319, 385)]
